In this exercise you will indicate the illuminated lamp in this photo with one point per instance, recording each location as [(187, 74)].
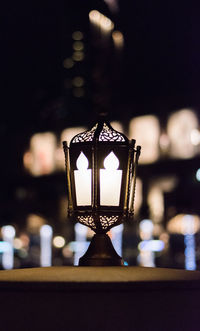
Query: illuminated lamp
[(101, 168)]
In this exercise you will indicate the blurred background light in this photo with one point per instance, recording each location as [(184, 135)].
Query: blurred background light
[(146, 130), (77, 35), (59, 241), (40, 160), (180, 126), (118, 39)]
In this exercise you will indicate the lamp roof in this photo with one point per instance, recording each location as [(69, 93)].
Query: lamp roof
[(102, 131)]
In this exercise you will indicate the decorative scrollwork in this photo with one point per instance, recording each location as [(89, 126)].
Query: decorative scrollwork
[(85, 136), (108, 134), (108, 221), (88, 221)]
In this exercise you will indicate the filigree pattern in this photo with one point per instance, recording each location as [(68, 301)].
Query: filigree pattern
[(107, 222), (88, 221), (85, 136), (108, 134)]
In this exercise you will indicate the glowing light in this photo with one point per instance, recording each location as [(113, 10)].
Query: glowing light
[(195, 137), (78, 46), (189, 240), (198, 175), (77, 35), (179, 128), (118, 39), (78, 56), (151, 245), (82, 162), (59, 241), (68, 63), (101, 20), (46, 233), (146, 229), (146, 257), (40, 160), (181, 224), (83, 179), (78, 81), (110, 181), (94, 16), (146, 130), (8, 234)]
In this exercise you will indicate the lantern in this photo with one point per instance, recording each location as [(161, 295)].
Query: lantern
[(101, 173)]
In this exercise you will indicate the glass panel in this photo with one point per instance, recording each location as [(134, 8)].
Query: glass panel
[(83, 181), (110, 181)]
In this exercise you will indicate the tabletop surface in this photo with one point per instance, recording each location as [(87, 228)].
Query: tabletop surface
[(70, 274)]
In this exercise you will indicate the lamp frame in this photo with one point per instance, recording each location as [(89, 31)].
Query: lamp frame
[(96, 144)]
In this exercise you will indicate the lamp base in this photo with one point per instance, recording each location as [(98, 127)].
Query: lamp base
[(101, 253)]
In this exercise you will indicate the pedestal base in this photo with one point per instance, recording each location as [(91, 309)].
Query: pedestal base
[(101, 253)]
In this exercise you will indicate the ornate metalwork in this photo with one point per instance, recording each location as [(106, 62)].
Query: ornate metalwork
[(88, 221), (108, 221), (108, 134), (85, 136), (96, 144), (105, 134)]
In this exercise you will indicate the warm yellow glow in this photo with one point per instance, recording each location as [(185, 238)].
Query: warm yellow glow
[(118, 39), (78, 56), (101, 20), (78, 81), (94, 16), (83, 181), (110, 181), (184, 224), (40, 160), (68, 63), (78, 46), (77, 35), (179, 128), (59, 241), (146, 130)]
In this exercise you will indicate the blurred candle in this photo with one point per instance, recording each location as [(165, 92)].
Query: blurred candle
[(8, 234), (46, 233)]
